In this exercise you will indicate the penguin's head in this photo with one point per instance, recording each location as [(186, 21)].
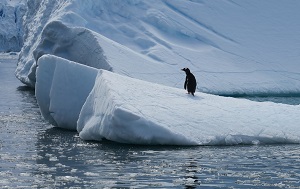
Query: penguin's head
[(186, 70)]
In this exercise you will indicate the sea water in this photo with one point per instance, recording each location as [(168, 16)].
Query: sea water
[(34, 154)]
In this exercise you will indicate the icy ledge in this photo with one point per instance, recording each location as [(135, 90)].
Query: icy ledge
[(62, 87), (122, 109)]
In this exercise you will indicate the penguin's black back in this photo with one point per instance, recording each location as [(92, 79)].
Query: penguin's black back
[(191, 83)]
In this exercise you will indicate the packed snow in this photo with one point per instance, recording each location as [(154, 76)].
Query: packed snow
[(111, 69)]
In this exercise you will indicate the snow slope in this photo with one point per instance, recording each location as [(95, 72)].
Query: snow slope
[(11, 28), (129, 110), (233, 47)]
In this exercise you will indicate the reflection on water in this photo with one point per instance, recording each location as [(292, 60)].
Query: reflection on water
[(33, 154), (283, 100), (57, 161), (63, 160)]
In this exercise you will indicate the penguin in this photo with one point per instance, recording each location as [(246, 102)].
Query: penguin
[(190, 81)]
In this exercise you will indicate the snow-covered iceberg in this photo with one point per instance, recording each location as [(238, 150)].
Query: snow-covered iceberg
[(233, 47), (101, 104), (111, 69)]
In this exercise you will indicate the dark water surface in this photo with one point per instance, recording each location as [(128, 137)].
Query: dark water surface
[(33, 154)]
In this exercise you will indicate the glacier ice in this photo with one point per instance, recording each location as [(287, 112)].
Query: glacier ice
[(11, 26)]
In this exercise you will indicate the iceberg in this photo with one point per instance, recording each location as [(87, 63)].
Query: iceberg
[(104, 105), (230, 48), (112, 69)]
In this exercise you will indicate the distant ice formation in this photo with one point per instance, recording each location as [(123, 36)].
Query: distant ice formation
[(11, 25)]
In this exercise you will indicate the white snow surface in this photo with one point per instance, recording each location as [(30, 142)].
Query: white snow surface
[(111, 69), (128, 110)]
